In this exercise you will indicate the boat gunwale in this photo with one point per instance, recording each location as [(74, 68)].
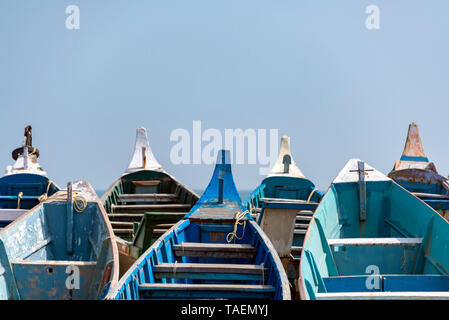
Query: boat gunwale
[(115, 256)]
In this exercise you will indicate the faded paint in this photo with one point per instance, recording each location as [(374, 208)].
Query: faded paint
[(33, 250), (279, 168), (143, 158)]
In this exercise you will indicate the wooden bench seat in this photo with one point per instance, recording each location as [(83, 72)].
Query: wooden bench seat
[(205, 291), (383, 296), (430, 196), (149, 207), (214, 250), (300, 205), (375, 241), (210, 271), (296, 250), (147, 197)]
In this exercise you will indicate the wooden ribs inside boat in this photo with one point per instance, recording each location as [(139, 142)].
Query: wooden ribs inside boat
[(147, 192)]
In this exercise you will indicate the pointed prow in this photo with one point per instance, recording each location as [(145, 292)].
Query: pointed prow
[(285, 165), (27, 145), (143, 158), (26, 157), (223, 158), (413, 156)]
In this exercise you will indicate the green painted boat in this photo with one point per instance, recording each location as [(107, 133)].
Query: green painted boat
[(144, 202)]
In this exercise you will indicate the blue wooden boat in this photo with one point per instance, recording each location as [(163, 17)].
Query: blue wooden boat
[(287, 188), (217, 251), (24, 184), (144, 202), (372, 239), (63, 248), (418, 175)]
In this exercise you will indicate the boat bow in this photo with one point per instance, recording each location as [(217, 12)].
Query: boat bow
[(413, 156), (285, 164), (143, 158)]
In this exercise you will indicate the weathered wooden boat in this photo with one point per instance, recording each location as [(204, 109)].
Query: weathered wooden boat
[(372, 239), (285, 200), (144, 202), (24, 184), (417, 174), (63, 248), (217, 251)]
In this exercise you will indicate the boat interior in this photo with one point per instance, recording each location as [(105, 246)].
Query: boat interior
[(146, 191), (375, 246), (58, 250), (21, 192), (216, 251), (286, 186), (429, 186), (194, 261)]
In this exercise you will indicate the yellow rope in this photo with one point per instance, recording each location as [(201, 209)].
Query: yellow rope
[(44, 197), (32, 152), (233, 235), (19, 196), (311, 194), (79, 202)]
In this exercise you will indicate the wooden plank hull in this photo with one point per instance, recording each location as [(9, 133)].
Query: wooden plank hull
[(195, 260)]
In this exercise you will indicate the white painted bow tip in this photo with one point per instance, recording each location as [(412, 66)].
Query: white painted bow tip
[(285, 165), (143, 158)]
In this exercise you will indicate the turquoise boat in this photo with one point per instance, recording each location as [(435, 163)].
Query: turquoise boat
[(285, 187), (372, 239), (24, 184), (217, 251), (62, 249), (417, 174)]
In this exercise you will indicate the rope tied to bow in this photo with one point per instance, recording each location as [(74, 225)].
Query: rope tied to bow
[(238, 217)]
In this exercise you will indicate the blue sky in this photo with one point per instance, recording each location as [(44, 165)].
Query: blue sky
[(308, 68)]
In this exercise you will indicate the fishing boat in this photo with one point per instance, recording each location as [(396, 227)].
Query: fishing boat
[(285, 189), (144, 202), (217, 251), (372, 239), (417, 174), (62, 249), (25, 183)]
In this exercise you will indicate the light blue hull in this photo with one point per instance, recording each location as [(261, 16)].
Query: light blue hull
[(372, 239)]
